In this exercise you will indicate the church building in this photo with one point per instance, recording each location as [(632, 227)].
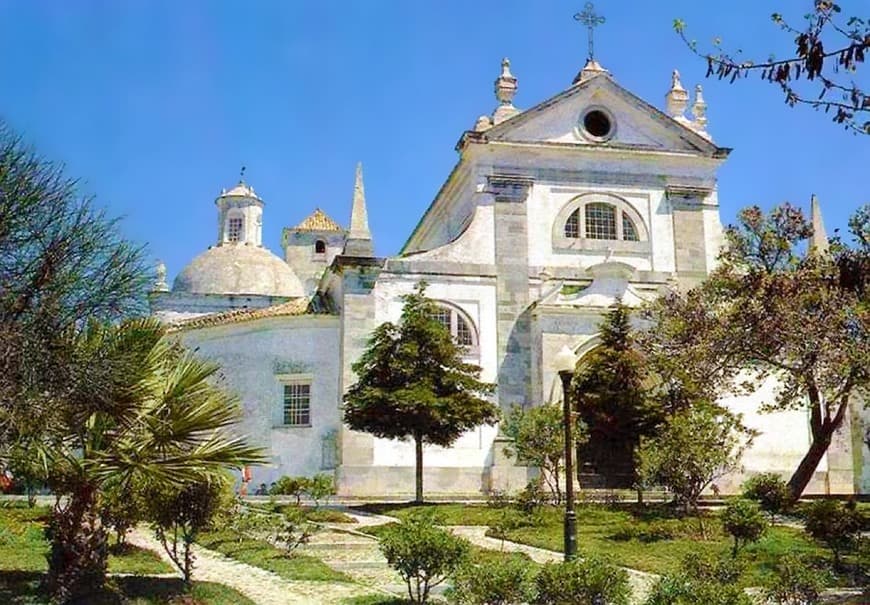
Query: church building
[(550, 215)]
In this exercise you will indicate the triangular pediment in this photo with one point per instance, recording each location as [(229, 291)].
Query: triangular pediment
[(634, 123)]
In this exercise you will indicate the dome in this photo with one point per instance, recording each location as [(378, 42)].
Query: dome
[(242, 189), (238, 269)]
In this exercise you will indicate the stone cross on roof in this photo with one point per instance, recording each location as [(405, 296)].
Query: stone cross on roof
[(591, 20)]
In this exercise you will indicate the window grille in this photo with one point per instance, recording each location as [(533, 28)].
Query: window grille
[(629, 232), (600, 221), (572, 225), (463, 334), (457, 325), (234, 229), (297, 404)]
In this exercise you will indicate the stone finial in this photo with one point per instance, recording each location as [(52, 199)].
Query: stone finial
[(819, 240), (591, 69), (505, 89), (160, 284), (359, 239), (677, 98), (699, 109), (483, 123)]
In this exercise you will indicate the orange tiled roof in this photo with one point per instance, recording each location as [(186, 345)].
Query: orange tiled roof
[(294, 307), (318, 221)]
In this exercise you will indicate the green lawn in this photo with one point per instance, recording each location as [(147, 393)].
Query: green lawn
[(262, 554), (23, 546), (317, 515), (22, 588), (651, 541)]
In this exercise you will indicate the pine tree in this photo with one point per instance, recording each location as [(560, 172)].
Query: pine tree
[(610, 395), (413, 383)]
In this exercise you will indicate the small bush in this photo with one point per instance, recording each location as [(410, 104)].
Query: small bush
[(834, 524), (500, 581), (744, 521), (582, 582), (703, 580), (796, 583), (424, 555), (290, 486), (533, 496), (770, 491), (289, 529), (320, 487), (654, 531)]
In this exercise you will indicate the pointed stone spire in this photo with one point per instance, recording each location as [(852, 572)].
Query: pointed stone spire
[(677, 99), (505, 89), (819, 240), (591, 69), (359, 239)]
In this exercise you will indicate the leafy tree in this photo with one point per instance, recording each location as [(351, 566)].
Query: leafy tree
[(423, 554), (413, 383), (828, 51), (320, 487), (744, 521), (538, 436), (796, 582), (610, 393), (138, 410), (834, 524), (775, 310), (290, 486), (770, 491), (693, 449), (586, 581), (179, 513)]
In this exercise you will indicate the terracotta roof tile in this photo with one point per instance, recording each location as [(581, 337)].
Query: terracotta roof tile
[(294, 307), (318, 221)]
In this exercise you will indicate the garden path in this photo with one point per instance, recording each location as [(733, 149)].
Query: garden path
[(263, 587)]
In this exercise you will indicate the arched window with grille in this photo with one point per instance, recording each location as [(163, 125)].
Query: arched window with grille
[(596, 220), (459, 326), (601, 221)]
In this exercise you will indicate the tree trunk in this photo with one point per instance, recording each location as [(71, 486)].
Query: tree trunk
[(79, 555), (804, 473), (418, 492)]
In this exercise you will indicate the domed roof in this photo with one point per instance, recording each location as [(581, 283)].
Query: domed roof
[(238, 269), (242, 189)]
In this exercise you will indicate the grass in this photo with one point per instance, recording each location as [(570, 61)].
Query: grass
[(317, 515), (23, 546), (264, 555), (629, 539), (23, 588)]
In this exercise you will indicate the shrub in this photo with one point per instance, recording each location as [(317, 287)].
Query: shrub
[(320, 487), (493, 581), (179, 514), (290, 486), (703, 580), (121, 508), (290, 529), (533, 496), (744, 521), (834, 524), (654, 531), (424, 555), (582, 582), (770, 491), (796, 583)]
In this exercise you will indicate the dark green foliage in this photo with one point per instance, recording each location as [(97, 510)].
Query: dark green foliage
[(796, 582), (744, 521), (290, 528), (493, 581), (611, 396), (581, 582), (290, 486), (533, 496), (413, 383), (423, 554), (121, 508), (538, 436), (770, 491), (833, 523), (179, 514), (703, 580)]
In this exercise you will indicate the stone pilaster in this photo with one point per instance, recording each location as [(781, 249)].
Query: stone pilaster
[(512, 288), (690, 237)]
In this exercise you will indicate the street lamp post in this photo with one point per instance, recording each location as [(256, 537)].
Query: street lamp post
[(565, 363)]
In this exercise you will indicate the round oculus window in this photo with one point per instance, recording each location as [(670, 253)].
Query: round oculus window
[(597, 124)]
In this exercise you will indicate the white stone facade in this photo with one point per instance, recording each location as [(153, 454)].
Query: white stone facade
[(548, 217)]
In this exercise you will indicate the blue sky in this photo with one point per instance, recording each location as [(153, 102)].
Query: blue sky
[(155, 105)]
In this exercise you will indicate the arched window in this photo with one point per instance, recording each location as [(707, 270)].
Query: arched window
[(320, 247), (235, 228), (458, 326), (600, 221)]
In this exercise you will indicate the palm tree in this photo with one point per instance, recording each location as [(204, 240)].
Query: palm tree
[(137, 409)]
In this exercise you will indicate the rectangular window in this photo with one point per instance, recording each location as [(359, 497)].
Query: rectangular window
[(235, 229), (297, 404)]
